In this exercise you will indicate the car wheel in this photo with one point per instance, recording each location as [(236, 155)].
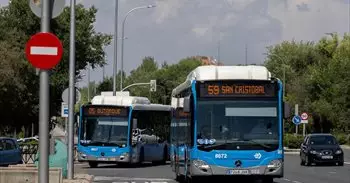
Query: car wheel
[(267, 180), (341, 163), (93, 164)]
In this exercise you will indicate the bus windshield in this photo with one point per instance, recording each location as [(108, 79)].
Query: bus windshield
[(104, 131), (239, 125)]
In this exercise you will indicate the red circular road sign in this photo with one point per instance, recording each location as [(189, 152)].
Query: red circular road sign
[(44, 50), (304, 116)]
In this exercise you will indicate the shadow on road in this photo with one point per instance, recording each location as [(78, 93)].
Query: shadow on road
[(323, 165), (134, 166), (235, 179)]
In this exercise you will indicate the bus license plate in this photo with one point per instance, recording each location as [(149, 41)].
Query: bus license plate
[(327, 157), (238, 172), (102, 159)]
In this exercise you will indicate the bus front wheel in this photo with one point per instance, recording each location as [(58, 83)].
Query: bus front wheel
[(165, 155), (142, 156), (93, 164), (268, 180)]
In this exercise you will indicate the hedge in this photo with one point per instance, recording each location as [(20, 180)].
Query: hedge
[(294, 141)]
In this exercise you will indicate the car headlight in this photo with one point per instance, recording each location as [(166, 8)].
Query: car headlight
[(313, 152), (200, 164), (275, 163), (338, 151)]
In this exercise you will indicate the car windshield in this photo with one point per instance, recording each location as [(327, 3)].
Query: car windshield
[(237, 125), (323, 140), (104, 131)]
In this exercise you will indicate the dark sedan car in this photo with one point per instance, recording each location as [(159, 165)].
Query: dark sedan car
[(321, 148)]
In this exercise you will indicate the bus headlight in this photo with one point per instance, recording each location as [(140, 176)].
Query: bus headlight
[(124, 155), (275, 164), (201, 164), (83, 156)]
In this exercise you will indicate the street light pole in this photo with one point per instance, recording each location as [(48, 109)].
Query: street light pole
[(115, 62), (123, 30)]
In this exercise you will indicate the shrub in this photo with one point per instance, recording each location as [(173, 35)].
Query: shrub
[(293, 141), (342, 138)]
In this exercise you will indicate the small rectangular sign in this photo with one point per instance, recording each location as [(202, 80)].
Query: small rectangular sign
[(232, 88), (64, 110)]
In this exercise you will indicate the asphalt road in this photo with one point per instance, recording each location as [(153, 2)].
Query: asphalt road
[(294, 173)]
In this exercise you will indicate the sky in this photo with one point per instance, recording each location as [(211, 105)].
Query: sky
[(176, 29)]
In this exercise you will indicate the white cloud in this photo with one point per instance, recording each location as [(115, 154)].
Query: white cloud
[(167, 9)]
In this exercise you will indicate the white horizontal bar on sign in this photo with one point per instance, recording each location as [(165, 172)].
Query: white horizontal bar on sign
[(112, 123), (40, 50), (251, 112)]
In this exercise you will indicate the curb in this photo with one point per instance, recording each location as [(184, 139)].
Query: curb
[(80, 178)]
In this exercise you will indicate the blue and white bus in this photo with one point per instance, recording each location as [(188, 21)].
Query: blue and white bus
[(227, 121), (123, 130)]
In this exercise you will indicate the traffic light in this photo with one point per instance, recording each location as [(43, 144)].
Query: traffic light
[(153, 86)]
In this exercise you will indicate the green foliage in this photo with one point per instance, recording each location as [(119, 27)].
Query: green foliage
[(316, 78), (293, 141), (19, 83), (167, 76)]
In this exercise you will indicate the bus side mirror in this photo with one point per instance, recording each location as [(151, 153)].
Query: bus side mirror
[(186, 107), (286, 110), (134, 123)]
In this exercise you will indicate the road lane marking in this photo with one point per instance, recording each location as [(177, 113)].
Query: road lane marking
[(103, 178), (347, 163), (294, 181)]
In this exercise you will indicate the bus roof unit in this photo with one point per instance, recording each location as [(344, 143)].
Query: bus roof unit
[(250, 72), (138, 103), (119, 100)]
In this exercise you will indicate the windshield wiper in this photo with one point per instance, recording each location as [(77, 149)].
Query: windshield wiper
[(239, 143), (260, 144), (216, 145), (93, 142)]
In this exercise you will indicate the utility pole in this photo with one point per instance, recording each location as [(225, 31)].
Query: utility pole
[(88, 75), (219, 50), (246, 54)]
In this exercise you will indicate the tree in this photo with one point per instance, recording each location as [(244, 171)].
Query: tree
[(316, 78), (17, 24)]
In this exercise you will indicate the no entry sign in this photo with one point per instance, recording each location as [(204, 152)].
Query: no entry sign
[(44, 50)]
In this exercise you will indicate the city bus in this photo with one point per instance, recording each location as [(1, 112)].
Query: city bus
[(123, 130), (227, 121)]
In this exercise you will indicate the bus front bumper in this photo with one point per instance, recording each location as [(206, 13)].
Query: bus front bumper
[(200, 168), (123, 158)]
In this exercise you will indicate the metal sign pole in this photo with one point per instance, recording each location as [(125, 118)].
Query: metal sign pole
[(44, 104), (296, 114), (71, 94)]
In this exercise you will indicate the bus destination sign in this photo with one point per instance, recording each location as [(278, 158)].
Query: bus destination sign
[(105, 111), (237, 89)]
